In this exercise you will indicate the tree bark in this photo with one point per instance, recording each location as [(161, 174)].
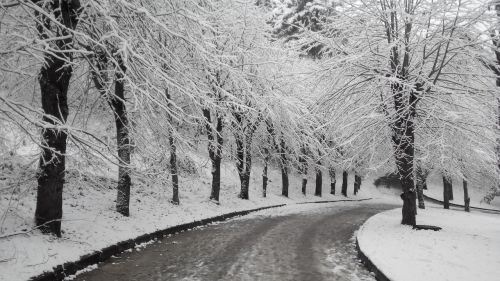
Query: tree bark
[(446, 192), (450, 190), (123, 141), (421, 185), (243, 138), (264, 181), (215, 143), (466, 196), (54, 79), (319, 180), (244, 165), (303, 171), (284, 180), (267, 157), (357, 183), (284, 169), (173, 156), (345, 177), (333, 180)]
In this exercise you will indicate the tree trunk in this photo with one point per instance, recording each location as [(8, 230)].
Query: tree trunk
[(421, 183), (284, 180), (264, 180), (420, 196), (215, 143), (123, 141), (173, 157), (284, 169), (357, 183), (243, 164), (466, 196), (450, 190), (267, 157), (446, 192), (304, 185), (173, 171), (243, 138), (319, 181), (54, 81), (345, 177), (303, 171), (333, 180), (404, 161)]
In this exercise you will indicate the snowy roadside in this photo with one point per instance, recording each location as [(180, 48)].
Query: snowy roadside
[(466, 248), (91, 224)]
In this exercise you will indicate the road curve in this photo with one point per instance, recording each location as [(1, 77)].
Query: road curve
[(309, 242)]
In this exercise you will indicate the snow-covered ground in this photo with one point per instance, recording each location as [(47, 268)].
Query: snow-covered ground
[(90, 222), (467, 248)]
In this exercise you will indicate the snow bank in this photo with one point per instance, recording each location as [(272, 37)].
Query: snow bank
[(466, 249)]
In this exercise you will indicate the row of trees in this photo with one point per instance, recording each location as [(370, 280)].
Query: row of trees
[(160, 71), (372, 85)]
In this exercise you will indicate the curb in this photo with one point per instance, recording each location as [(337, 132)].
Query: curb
[(437, 201), (379, 275), (333, 201), (61, 271)]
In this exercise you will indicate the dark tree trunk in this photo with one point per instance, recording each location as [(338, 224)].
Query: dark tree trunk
[(409, 196), (173, 157), (303, 171), (243, 138), (304, 185), (421, 183), (319, 181), (284, 180), (264, 181), (446, 192), (173, 171), (123, 141), (284, 169), (466, 196), (54, 81), (357, 183), (420, 196), (117, 104), (267, 157), (345, 177), (333, 180), (215, 143), (450, 190), (243, 164)]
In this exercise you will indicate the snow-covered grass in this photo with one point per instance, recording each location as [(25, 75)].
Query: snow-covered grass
[(90, 222), (467, 248)]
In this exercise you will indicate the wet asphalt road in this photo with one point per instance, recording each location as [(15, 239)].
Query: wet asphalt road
[(308, 242)]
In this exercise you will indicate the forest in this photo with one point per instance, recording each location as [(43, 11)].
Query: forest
[(136, 89)]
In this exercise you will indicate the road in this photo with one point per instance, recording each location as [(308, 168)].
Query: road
[(301, 242)]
